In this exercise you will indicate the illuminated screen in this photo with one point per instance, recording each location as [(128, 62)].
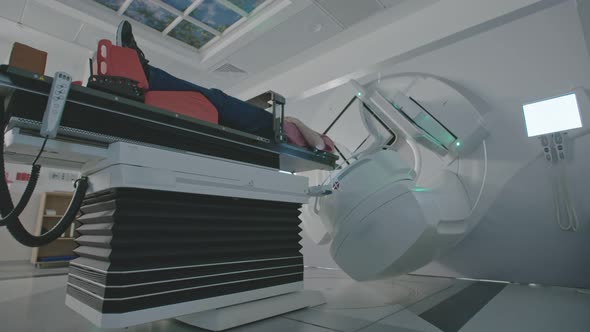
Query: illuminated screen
[(552, 115)]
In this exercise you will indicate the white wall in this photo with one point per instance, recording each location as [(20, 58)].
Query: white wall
[(537, 56), (584, 11), (10, 250), (315, 255), (340, 59), (62, 56)]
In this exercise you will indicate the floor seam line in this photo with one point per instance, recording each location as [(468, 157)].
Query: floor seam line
[(316, 325), (377, 321), (428, 297), (32, 277)]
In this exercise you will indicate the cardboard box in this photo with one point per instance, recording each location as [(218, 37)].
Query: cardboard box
[(28, 58)]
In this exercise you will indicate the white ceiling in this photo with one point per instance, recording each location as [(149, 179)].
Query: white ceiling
[(301, 31), (90, 35), (425, 24), (12, 9), (584, 12), (291, 28), (349, 12), (63, 26), (390, 3)]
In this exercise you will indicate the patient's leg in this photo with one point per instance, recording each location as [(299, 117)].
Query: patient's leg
[(233, 112)]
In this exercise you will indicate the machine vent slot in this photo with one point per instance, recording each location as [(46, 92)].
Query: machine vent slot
[(229, 68)]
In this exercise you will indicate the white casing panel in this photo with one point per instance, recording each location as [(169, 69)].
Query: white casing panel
[(135, 166), (20, 147), (175, 310), (382, 225), (353, 188), (128, 165), (246, 313)]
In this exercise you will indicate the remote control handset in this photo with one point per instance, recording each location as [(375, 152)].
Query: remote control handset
[(56, 104)]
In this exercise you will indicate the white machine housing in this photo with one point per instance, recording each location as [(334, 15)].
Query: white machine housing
[(141, 167), (396, 208), (377, 216)]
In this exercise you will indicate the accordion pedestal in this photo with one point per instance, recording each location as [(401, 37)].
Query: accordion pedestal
[(167, 245)]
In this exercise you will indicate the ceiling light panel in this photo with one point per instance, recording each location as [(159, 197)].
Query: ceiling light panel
[(150, 14), (181, 5), (552, 115), (247, 5), (191, 34), (193, 22), (215, 15)]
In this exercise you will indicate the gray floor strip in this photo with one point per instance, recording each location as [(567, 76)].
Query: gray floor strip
[(33, 276), (453, 313)]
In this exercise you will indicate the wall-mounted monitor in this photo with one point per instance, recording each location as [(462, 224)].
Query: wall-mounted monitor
[(552, 115)]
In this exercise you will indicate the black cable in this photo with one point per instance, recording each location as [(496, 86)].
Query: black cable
[(40, 152), (10, 213), (12, 216), (24, 237)]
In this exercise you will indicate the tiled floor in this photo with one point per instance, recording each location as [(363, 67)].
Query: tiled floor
[(394, 305), (527, 308), (353, 306)]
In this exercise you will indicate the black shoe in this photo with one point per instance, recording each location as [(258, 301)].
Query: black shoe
[(125, 39)]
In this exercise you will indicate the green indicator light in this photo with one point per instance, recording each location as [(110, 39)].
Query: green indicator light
[(360, 94), (458, 144), (421, 190)]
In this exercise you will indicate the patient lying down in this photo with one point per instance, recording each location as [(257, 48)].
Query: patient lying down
[(232, 112)]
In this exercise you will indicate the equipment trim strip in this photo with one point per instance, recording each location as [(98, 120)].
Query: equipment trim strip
[(177, 290), (179, 279), (178, 267)]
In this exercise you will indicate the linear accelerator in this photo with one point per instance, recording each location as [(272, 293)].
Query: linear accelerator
[(183, 216), (395, 206)]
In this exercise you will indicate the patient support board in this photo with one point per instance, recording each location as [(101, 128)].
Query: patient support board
[(107, 118)]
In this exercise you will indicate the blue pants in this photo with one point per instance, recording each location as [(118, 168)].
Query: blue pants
[(233, 112)]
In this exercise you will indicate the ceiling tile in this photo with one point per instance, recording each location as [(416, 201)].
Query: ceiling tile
[(12, 9), (350, 12), (47, 20), (300, 32), (391, 3), (90, 35)]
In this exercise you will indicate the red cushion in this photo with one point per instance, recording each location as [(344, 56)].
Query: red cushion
[(192, 104), (113, 60)]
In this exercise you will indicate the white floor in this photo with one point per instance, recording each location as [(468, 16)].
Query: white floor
[(37, 304)]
